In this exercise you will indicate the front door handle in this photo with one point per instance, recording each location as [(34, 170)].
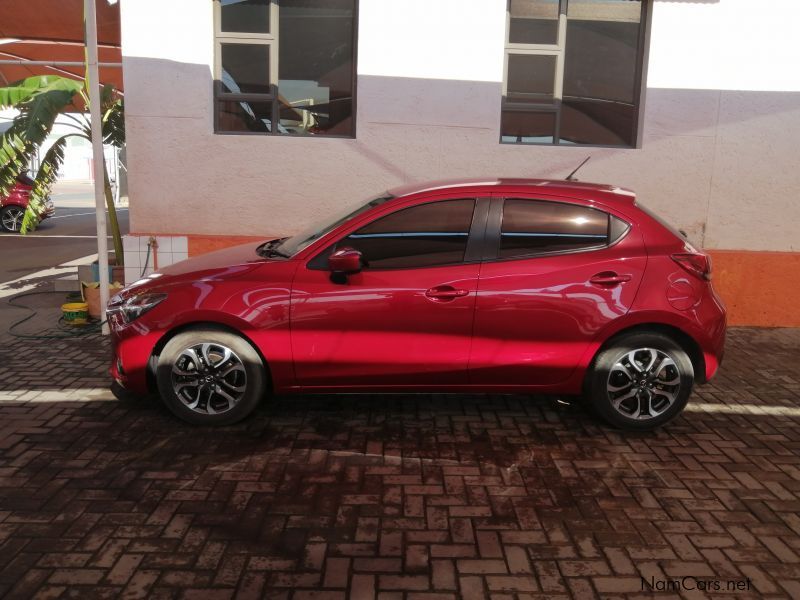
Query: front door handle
[(609, 278), (445, 293)]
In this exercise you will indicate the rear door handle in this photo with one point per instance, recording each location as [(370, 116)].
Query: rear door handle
[(445, 293), (609, 278)]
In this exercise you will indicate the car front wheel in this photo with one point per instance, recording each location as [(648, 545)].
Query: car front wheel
[(11, 218), (210, 377), (641, 381)]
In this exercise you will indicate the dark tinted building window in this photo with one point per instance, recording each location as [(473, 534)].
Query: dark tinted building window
[(530, 77), (533, 22), (288, 62), (246, 68), (244, 16), (537, 226), (591, 69), (420, 236)]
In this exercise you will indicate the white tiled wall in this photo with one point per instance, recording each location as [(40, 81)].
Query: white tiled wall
[(171, 249)]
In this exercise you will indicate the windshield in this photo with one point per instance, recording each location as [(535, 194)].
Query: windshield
[(293, 245)]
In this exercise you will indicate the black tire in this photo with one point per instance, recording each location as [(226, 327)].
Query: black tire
[(251, 377), (650, 407), (11, 218)]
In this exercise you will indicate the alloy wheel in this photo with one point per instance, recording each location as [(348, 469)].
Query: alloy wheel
[(12, 218), (209, 378), (643, 383)]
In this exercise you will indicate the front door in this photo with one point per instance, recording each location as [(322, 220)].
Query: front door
[(406, 319), (559, 274)]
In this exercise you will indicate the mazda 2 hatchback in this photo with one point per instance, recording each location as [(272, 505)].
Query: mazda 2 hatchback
[(522, 286)]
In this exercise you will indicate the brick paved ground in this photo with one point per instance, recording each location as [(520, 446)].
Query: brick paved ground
[(394, 496)]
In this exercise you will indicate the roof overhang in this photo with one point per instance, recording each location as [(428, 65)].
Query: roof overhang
[(47, 31)]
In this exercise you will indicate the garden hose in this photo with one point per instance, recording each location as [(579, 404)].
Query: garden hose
[(64, 331), (146, 259)]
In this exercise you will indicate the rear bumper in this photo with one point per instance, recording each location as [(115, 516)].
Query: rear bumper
[(712, 317)]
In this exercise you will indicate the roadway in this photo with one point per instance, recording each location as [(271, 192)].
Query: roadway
[(68, 235)]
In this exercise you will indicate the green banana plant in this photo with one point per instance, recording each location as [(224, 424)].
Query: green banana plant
[(39, 100)]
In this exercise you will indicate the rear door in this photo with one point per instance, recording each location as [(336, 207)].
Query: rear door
[(555, 274)]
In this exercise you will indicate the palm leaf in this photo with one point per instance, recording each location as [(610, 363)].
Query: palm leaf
[(41, 111), (43, 182), (108, 95), (39, 101), (15, 155), (28, 131), (24, 90), (114, 124)]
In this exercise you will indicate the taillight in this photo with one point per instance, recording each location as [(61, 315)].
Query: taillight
[(696, 263)]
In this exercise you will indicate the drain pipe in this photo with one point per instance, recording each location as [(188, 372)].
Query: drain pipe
[(154, 247)]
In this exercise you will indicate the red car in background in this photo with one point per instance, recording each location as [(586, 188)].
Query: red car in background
[(509, 285), (13, 206)]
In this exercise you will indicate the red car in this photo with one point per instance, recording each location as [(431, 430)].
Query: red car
[(13, 206), (511, 285)]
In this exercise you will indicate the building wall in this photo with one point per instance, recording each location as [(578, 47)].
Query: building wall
[(718, 158)]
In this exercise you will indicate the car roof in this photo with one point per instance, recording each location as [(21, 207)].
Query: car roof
[(552, 186)]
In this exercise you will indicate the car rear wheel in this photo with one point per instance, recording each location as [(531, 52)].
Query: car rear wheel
[(11, 218), (210, 376), (641, 381)]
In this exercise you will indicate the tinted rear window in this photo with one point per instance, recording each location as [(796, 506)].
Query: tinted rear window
[(539, 226)]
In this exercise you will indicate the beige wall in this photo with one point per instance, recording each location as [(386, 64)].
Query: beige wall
[(719, 155)]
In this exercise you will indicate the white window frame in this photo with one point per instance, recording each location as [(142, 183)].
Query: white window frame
[(234, 37), (559, 51), (556, 49)]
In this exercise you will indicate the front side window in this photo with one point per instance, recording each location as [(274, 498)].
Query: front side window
[(288, 62), (532, 227), (573, 72), (426, 235)]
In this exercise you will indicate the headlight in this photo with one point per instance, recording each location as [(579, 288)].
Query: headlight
[(134, 307)]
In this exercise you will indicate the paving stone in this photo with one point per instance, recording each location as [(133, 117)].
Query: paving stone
[(425, 497)]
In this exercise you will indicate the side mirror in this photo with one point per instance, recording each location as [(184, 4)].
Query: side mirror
[(344, 262)]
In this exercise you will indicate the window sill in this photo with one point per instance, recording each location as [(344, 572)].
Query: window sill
[(552, 145), (285, 135)]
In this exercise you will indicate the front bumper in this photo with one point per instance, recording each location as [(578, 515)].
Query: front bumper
[(132, 349)]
